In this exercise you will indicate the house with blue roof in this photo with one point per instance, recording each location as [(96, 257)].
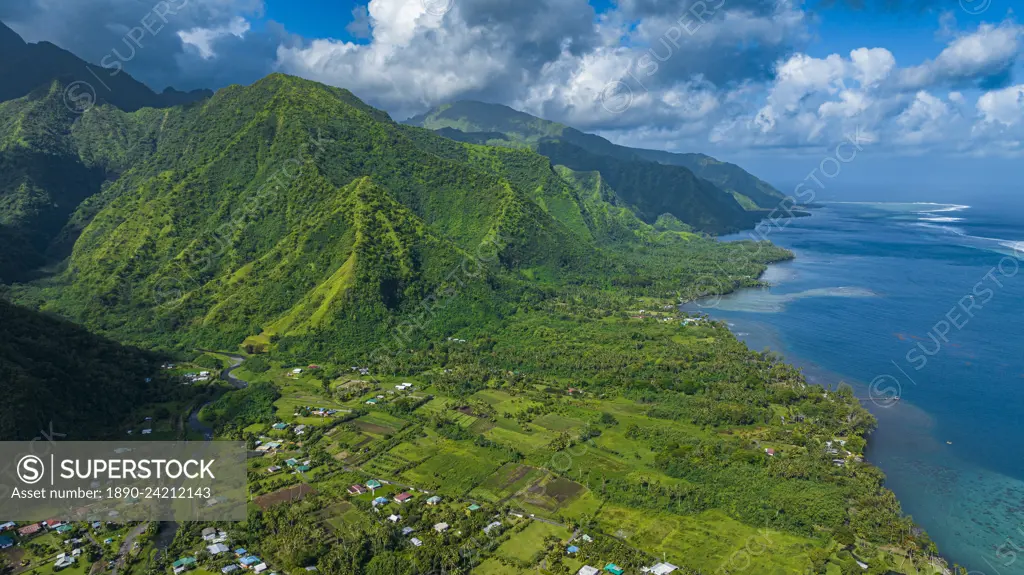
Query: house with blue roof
[(249, 560), (241, 552)]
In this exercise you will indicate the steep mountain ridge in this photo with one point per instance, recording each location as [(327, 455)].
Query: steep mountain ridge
[(482, 122), (25, 67), (252, 216)]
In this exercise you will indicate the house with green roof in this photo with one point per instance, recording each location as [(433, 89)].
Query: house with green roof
[(613, 569), (183, 564)]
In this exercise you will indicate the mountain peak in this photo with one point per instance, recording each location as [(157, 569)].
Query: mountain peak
[(10, 41), (30, 66)]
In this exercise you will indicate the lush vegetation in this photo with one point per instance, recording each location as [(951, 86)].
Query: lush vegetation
[(55, 375), (531, 307), (500, 125)]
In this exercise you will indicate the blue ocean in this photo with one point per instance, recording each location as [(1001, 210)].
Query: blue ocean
[(919, 307)]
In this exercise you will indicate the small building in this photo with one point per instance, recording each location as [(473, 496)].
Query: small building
[(96, 525), (230, 569), (67, 561), (241, 552), (407, 530), (249, 561), (588, 570), (415, 542), (297, 371), (379, 501), (291, 462), (7, 526), (208, 533), (6, 542), (63, 528), (273, 469), (259, 568), (371, 401), (300, 429), (473, 507), (492, 526), (572, 550), (394, 518), (373, 484), (356, 489), (769, 451), (403, 497), (302, 468), (433, 500), (441, 527), (280, 425), (613, 569), (662, 569), (183, 564), (30, 529), (217, 549)]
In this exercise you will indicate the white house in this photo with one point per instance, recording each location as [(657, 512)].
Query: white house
[(661, 569)]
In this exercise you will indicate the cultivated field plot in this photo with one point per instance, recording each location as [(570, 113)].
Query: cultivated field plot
[(549, 495), (454, 471), (506, 482), (296, 493), (379, 424), (493, 566), (528, 545), (709, 540)]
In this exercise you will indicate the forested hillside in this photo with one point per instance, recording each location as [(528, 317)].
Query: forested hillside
[(55, 373), (292, 212), (501, 125)]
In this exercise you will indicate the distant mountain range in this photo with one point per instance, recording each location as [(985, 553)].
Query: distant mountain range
[(667, 187), (26, 67)]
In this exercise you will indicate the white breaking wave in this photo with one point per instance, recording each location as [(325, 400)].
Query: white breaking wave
[(941, 219)]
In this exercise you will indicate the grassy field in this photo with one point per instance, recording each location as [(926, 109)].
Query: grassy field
[(529, 543), (709, 541)]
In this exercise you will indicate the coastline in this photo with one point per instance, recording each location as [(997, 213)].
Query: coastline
[(970, 510), (815, 374)]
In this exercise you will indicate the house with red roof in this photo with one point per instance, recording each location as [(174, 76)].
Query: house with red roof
[(30, 529)]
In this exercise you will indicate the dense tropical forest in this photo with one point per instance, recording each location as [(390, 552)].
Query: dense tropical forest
[(419, 318)]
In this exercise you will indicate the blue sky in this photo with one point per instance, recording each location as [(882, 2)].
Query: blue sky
[(934, 88)]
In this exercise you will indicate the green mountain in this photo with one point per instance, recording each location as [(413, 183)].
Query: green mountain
[(498, 124), (52, 160), (26, 67), (290, 213), (53, 157)]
